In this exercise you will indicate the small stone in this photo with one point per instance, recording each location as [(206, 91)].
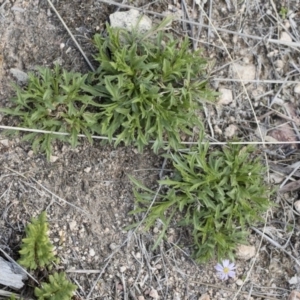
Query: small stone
[(204, 297), (245, 252), (4, 142), (155, 230), (53, 158), (297, 88), (123, 269), (130, 19), (294, 295), (297, 206), (218, 130), (113, 246), (87, 170), (279, 64), (294, 280), (243, 72), (239, 282), (231, 130), (72, 225), (276, 178), (21, 76), (92, 252), (176, 296), (225, 97), (285, 37), (153, 294), (141, 298)]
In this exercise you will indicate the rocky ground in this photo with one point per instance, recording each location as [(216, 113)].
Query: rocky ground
[(253, 47)]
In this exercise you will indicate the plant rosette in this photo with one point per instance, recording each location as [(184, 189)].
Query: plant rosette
[(216, 195)]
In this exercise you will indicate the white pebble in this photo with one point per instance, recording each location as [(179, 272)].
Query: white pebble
[(297, 206), (225, 97), (245, 252), (243, 72), (92, 252), (285, 37), (113, 246), (297, 88), (153, 294), (72, 225), (231, 130), (123, 269), (239, 282)]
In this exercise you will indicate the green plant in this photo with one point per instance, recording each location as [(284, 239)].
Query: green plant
[(58, 288), (36, 249), (36, 253), (283, 12), (216, 194), (54, 100), (146, 88), (150, 87)]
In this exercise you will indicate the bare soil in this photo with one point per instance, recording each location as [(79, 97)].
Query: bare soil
[(86, 191)]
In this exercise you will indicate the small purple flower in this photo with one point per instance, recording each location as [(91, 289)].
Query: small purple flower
[(225, 270)]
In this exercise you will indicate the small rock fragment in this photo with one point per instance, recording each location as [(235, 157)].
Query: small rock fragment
[(4, 142), (276, 178), (72, 225), (87, 170), (176, 296), (155, 230), (294, 295), (113, 246), (30, 153), (245, 252), (21, 76), (245, 73), (129, 20), (123, 269), (231, 130), (297, 206), (239, 282), (154, 294), (279, 64), (92, 252), (225, 97), (297, 88), (53, 158), (285, 37), (294, 280)]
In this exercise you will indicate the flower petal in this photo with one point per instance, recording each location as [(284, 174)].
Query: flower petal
[(231, 274), (219, 268), (225, 263), (231, 266)]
